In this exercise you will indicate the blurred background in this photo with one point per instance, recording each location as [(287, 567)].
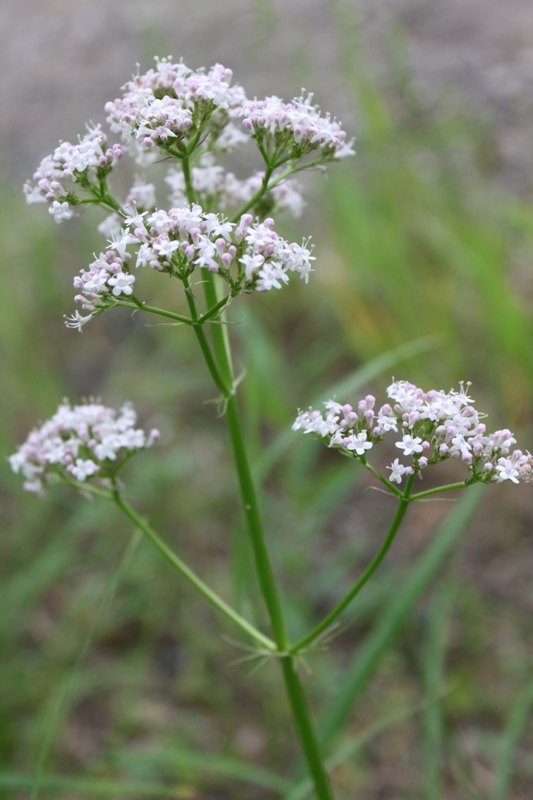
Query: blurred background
[(115, 676)]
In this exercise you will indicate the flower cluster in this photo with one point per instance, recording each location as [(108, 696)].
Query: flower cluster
[(191, 117), (250, 256), (107, 277), (172, 103), (80, 443), (297, 127), (431, 426), (91, 159), (216, 188)]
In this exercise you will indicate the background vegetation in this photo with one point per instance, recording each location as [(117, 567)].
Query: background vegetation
[(118, 678)]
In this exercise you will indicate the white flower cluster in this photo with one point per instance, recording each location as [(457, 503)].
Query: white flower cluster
[(80, 443), (107, 277), (297, 127), (78, 163), (432, 426), (216, 188), (171, 102), (192, 116), (250, 256)]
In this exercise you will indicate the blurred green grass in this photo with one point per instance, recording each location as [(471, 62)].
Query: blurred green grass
[(415, 238)]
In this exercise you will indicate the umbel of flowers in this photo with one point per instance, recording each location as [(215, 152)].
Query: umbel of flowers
[(429, 427), (88, 443), (191, 118)]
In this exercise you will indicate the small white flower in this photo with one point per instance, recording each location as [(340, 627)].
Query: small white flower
[(60, 211), (77, 321), (122, 283), (507, 471), (397, 471), (84, 469), (358, 443), (410, 445)]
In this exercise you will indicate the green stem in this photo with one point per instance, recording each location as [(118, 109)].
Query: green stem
[(185, 165), (269, 591), (219, 333), (215, 309), (255, 528), (447, 488), (178, 564), (263, 190), (88, 488), (367, 574), (224, 387), (304, 725), (153, 310), (394, 489), (267, 581)]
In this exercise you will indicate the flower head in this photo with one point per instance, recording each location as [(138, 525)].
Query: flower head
[(432, 427), (297, 127), (69, 168), (167, 105), (80, 443)]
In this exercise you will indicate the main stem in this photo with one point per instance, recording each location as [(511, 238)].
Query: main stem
[(367, 574), (295, 693)]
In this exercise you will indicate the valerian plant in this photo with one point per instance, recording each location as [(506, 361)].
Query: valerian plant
[(219, 227)]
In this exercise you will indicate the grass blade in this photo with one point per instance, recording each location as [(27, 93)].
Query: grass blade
[(351, 746), (433, 668), (112, 586), (192, 761), (517, 720), (93, 786)]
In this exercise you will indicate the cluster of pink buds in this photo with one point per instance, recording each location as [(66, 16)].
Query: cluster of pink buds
[(249, 255), (89, 442), (432, 426), (88, 161), (107, 277), (297, 127), (169, 104)]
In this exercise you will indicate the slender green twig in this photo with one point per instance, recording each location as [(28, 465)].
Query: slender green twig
[(394, 489), (365, 577), (153, 310), (439, 489), (212, 312), (263, 190), (191, 576)]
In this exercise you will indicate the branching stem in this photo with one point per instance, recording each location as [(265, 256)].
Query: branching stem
[(405, 499)]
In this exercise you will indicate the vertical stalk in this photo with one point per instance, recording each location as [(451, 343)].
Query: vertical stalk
[(306, 731), (269, 590)]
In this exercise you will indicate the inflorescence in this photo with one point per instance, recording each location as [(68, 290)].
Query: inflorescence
[(190, 117), (432, 427), (85, 443), (248, 256)]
